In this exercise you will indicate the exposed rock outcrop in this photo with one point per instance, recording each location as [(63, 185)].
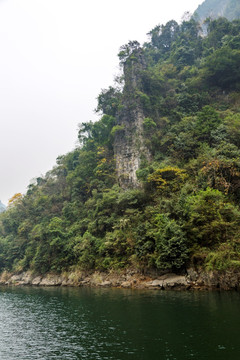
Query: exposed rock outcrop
[(223, 280), (168, 281), (130, 279), (129, 147)]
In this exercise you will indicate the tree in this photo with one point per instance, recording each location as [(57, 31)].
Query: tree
[(207, 121), (162, 36), (212, 220), (15, 199), (171, 249), (109, 101), (128, 50), (221, 69), (216, 29)]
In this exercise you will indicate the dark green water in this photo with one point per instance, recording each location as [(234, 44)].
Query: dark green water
[(92, 324)]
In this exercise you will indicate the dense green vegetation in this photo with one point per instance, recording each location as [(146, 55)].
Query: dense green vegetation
[(186, 209)]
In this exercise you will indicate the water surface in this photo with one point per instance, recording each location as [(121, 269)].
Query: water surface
[(92, 324)]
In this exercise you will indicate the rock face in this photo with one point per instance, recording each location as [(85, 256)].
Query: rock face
[(216, 8), (169, 281), (129, 147), (223, 280), (131, 279)]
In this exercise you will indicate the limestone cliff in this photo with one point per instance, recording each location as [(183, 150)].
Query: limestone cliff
[(129, 147)]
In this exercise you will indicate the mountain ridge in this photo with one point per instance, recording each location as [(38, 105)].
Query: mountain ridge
[(2, 207), (229, 9)]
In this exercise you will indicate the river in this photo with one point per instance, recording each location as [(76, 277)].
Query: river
[(92, 324)]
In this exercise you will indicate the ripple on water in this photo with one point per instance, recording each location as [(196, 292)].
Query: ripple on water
[(115, 324)]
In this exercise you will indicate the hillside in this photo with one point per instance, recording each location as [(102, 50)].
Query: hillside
[(229, 9), (154, 185)]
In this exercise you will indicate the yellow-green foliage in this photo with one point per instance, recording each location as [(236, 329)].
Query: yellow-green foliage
[(117, 129), (167, 178)]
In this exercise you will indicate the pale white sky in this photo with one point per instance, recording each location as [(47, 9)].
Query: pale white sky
[(55, 57)]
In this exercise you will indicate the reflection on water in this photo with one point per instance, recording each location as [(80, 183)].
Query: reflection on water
[(92, 324)]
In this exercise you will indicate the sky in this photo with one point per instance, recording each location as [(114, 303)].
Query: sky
[(55, 58)]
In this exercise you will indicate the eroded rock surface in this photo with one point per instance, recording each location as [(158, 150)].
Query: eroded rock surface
[(130, 279), (129, 146)]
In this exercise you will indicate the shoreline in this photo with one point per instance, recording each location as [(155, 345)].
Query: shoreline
[(129, 279)]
